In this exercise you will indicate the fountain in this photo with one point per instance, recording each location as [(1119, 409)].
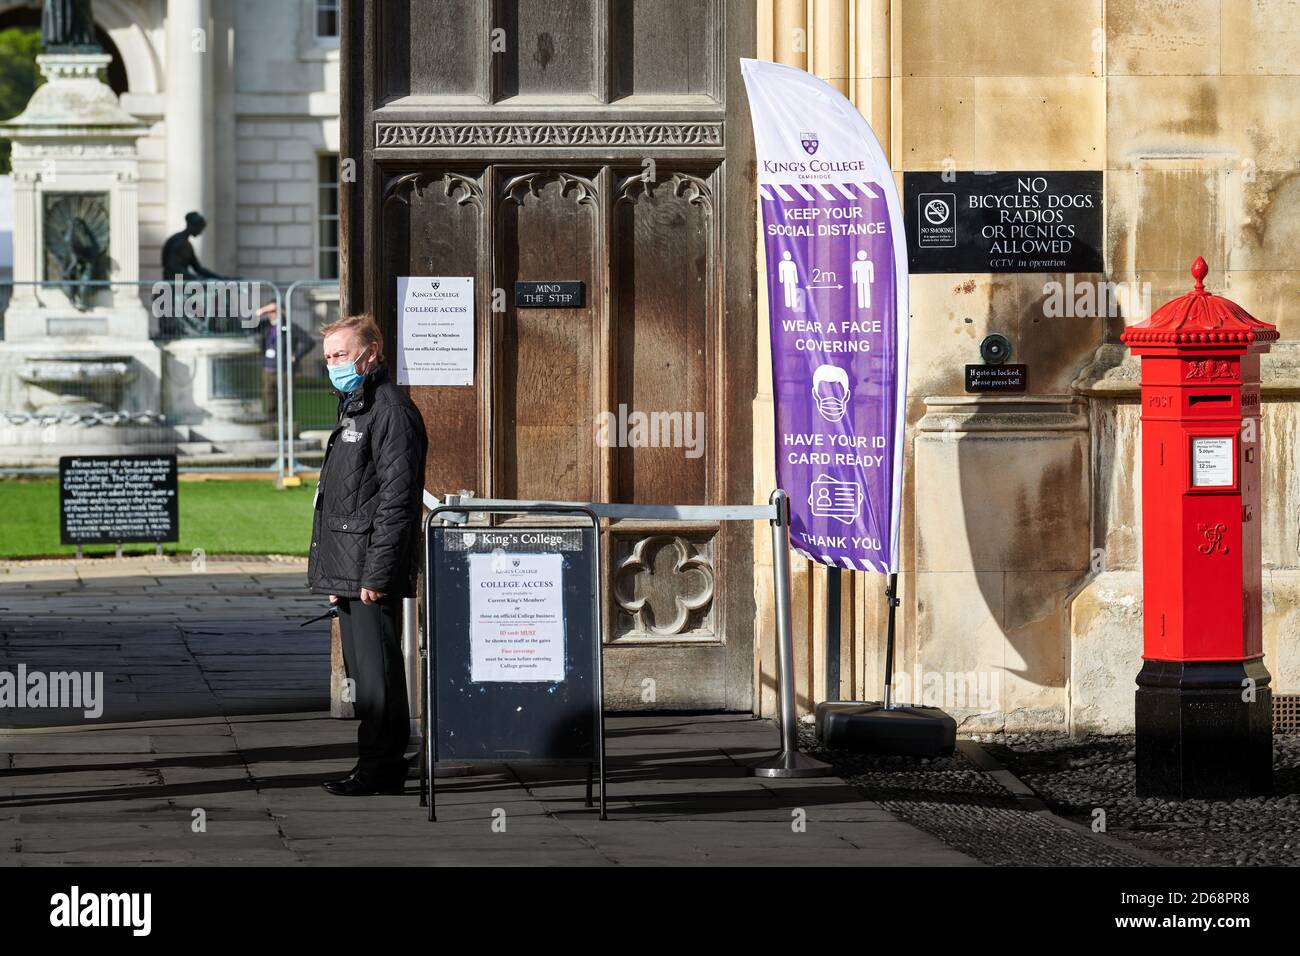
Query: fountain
[(86, 367), (79, 372)]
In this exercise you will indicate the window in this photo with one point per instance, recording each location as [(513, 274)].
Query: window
[(236, 376), (318, 29), (327, 19), (327, 216)]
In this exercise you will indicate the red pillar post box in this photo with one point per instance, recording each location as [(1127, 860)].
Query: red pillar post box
[(1203, 704)]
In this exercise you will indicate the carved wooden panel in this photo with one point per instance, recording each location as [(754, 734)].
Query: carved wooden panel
[(663, 321), (565, 134), (549, 224), (663, 47), (550, 48), (434, 48), (433, 225), (664, 585)]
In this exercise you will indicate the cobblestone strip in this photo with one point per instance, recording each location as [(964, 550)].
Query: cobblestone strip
[(1078, 778), (957, 802)]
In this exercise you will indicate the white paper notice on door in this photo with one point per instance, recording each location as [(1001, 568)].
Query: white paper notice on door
[(1212, 461), (516, 615), (435, 330)]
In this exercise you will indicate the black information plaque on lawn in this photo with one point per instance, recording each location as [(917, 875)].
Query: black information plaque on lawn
[(549, 295), (111, 499), (1003, 222), (997, 378)]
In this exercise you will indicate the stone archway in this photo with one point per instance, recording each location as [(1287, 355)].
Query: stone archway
[(127, 26), (122, 28), (21, 14)]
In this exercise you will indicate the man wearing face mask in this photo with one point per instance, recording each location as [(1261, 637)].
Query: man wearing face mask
[(364, 543)]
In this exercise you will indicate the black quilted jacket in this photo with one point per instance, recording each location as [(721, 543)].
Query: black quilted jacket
[(366, 525)]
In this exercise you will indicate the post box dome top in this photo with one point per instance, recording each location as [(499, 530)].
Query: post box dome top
[(1200, 318)]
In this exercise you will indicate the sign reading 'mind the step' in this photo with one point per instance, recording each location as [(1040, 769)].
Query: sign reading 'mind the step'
[(1003, 221), (552, 294)]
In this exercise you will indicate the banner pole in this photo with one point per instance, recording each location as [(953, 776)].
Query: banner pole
[(891, 595), (832, 632), (789, 762), (784, 631)]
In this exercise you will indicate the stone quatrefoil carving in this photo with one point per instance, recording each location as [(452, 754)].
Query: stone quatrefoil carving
[(664, 585)]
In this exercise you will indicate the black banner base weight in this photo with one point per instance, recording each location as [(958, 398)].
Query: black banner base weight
[(871, 728), (1200, 736)]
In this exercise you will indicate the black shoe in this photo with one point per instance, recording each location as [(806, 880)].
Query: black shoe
[(355, 786)]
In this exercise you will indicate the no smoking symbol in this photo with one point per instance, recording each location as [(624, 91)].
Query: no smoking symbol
[(936, 211)]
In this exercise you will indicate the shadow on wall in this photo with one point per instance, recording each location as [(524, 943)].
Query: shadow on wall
[(1003, 534)]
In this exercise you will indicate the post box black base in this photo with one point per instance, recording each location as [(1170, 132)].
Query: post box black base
[(870, 728), (1197, 739)]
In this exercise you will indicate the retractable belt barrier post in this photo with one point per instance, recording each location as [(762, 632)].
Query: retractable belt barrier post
[(787, 762)]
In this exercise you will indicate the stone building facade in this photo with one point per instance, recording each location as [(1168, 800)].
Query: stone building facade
[(1021, 583), (241, 97), (1021, 580)]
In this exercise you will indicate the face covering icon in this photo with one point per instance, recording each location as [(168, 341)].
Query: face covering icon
[(345, 377), (830, 389)]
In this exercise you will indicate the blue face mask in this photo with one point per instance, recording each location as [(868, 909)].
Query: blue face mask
[(345, 377)]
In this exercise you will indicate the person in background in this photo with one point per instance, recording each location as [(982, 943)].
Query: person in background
[(268, 328)]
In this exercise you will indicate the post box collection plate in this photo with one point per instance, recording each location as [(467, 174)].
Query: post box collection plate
[(1213, 462)]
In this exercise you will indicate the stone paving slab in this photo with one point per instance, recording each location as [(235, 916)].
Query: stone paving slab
[(217, 701)]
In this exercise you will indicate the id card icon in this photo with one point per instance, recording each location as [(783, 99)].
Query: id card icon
[(841, 500)]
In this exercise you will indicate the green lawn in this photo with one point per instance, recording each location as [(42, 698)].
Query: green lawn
[(315, 406), (221, 517)]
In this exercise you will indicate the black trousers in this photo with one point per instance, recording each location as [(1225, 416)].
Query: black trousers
[(372, 654)]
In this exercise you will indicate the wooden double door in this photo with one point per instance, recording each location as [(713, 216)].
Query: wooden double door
[(605, 144)]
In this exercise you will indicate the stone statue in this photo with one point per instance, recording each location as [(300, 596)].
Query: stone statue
[(180, 266), (178, 257), (68, 25), (76, 243), (82, 260)]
